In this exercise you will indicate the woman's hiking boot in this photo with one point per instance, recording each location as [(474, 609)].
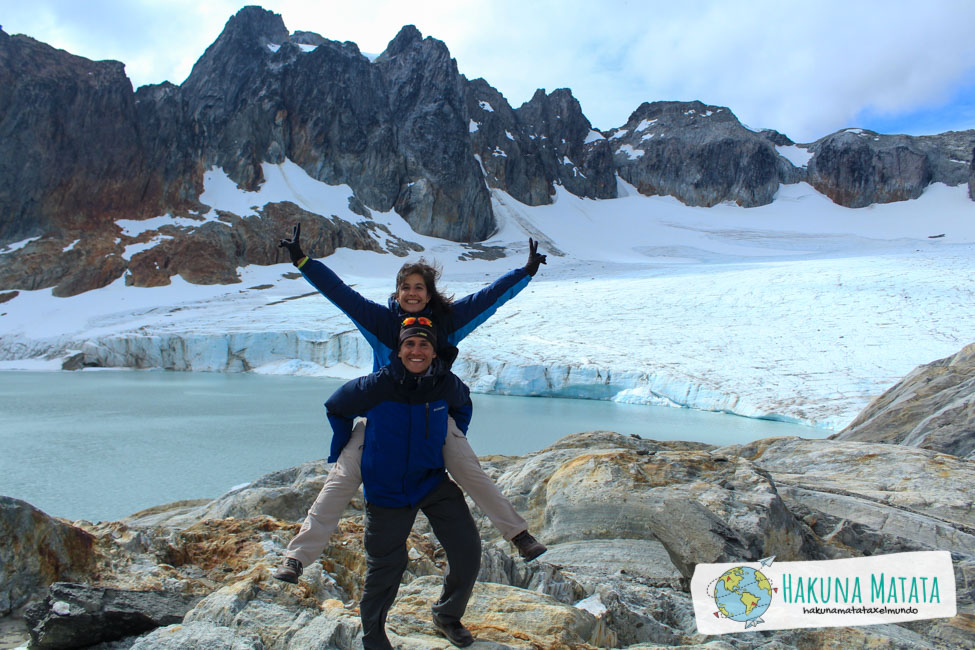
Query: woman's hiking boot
[(528, 547)]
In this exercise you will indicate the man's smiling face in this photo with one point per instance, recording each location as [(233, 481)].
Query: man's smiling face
[(417, 354)]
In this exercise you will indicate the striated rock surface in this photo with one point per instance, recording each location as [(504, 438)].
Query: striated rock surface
[(933, 407), (626, 520)]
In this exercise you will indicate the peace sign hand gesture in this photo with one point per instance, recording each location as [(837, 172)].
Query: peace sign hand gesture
[(534, 258), (294, 249)]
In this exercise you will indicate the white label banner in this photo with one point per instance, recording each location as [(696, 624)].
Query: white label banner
[(771, 595)]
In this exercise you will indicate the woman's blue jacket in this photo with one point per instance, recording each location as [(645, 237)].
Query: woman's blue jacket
[(402, 458), (380, 325)]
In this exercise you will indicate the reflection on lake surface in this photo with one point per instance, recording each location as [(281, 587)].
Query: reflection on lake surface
[(100, 445)]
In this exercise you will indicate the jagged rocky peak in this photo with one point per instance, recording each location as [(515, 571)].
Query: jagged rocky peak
[(412, 64), (253, 25), (571, 152), (407, 36), (776, 138), (405, 40), (442, 191), (241, 47), (506, 147), (559, 115), (220, 77)]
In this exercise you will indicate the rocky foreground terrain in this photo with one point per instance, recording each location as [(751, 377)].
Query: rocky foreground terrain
[(626, 520)]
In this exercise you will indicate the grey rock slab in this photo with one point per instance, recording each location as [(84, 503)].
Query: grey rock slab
[(76, 615), (933, 407)]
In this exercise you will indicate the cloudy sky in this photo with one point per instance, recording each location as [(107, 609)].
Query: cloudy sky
[(806, 68)]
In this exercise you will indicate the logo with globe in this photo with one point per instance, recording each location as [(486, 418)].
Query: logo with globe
[(743, 594)]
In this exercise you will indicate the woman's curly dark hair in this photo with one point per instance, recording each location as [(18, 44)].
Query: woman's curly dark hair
[(439, 303)]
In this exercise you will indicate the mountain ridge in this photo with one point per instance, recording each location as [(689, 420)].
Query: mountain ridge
[(406, 131)]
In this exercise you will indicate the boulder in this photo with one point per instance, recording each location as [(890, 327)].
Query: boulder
[(197, 635), (933, 407), (38, 550), (865, 498), (75, 615), (286, 494), (702, 507)]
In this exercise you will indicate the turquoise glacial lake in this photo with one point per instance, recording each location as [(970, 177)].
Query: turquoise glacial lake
[(100, 445)]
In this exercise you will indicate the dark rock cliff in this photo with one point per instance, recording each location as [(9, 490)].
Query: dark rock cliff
[(79, 150), (526, 151), (700, 154), (856, 167), (971, 177), (72, 146)]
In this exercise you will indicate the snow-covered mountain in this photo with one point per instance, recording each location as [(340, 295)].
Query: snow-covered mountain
[(800, 309), (692, 260), (81, 154)]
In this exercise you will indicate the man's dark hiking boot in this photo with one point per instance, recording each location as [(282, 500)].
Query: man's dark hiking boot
[(289, 571), (455, 632), (528, 547)]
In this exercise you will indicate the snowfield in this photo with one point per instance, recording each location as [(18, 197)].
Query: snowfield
[(800, 310)]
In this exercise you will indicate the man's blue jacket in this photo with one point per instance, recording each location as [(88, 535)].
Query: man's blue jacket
[(402, 460), (380, 325)]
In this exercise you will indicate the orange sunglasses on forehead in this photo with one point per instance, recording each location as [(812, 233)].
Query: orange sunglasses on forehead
[(417, 320)]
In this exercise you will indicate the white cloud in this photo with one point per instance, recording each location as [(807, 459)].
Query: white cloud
[(805, 69)]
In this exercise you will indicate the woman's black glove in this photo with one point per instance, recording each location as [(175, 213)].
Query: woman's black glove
[(534, 258), (294, 249)]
